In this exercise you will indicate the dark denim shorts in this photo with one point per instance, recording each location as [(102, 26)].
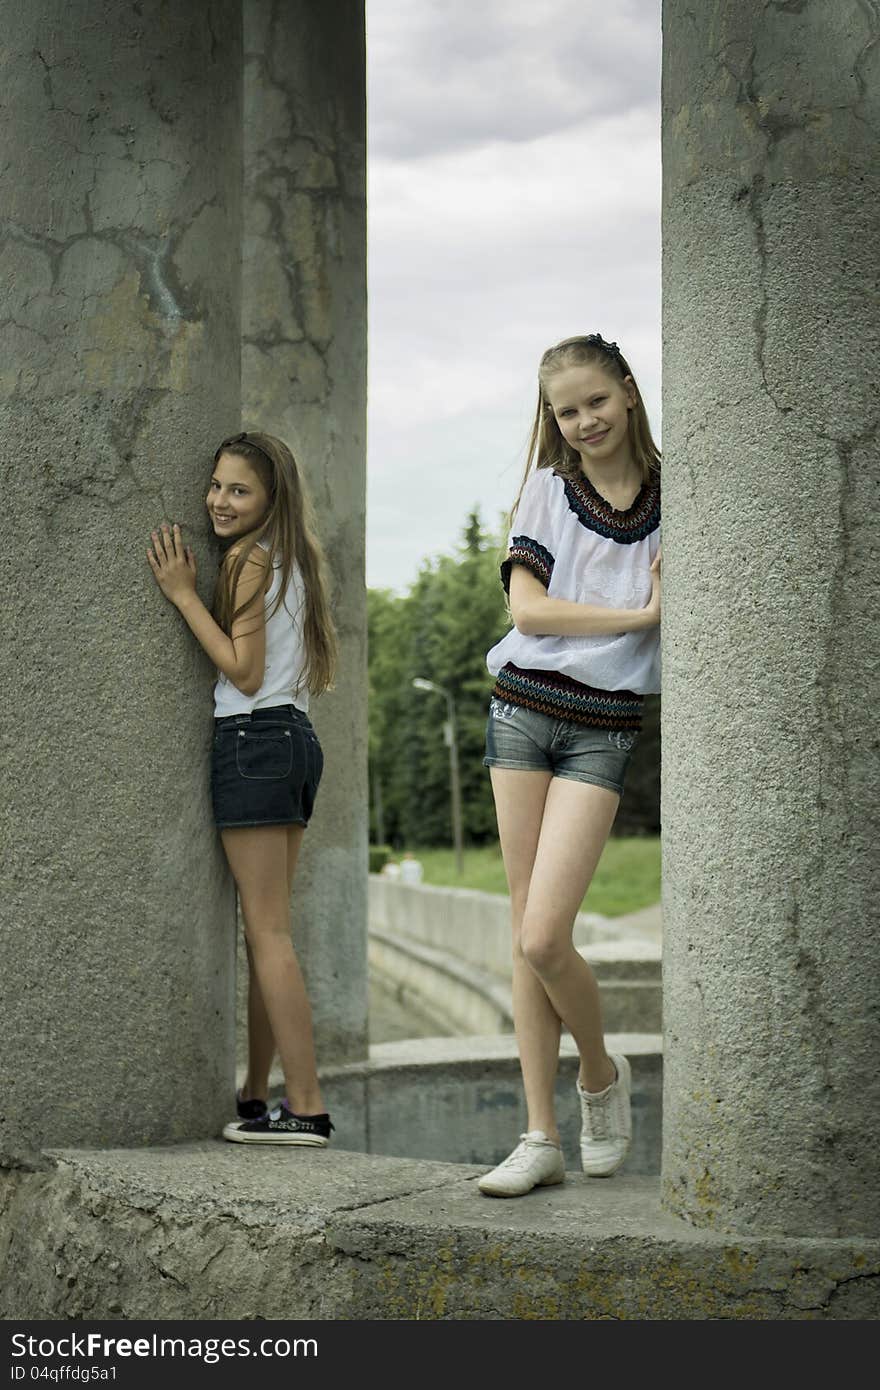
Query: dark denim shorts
[(265, 768), (531, 742)]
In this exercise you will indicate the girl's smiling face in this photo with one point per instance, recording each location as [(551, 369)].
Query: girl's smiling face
[(591, 408), (237, 500)]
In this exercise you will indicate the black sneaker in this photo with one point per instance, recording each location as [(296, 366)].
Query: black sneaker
[(250, 1109), (281, 1126)]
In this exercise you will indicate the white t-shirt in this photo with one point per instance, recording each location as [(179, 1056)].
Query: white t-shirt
[(285, 656), (586, 551)]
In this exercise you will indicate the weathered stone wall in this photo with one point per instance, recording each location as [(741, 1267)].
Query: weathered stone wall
[(771, 656), (206, 1231), (119, 267), (304, 379)]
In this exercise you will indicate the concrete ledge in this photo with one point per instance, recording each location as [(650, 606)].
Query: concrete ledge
[(629, 972), (466, 998), (217, 1231), (395, 1015), (631, 958)]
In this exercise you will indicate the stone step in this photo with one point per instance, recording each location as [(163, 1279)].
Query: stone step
[(630, 979), (217, 1231)]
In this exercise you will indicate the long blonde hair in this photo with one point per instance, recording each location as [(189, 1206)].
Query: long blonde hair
[(288, 533), (548, 449)]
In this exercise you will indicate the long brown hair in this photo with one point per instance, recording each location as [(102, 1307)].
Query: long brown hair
[(288, 533), (547, 448)]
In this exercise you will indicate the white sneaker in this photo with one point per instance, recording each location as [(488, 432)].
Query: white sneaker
[(535, 1162), (606, 1126)]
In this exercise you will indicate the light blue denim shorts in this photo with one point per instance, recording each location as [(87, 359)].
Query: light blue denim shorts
[(527, 741)]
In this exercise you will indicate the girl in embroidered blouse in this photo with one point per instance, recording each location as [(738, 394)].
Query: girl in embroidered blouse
[(583, 578)]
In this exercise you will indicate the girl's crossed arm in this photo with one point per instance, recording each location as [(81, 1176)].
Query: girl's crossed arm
[(240, 656), (535, 613)]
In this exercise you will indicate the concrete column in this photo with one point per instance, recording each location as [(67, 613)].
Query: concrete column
[(120, 368), (304, 379), (771, 654)]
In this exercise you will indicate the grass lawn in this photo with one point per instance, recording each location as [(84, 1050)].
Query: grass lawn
[(628, 876)]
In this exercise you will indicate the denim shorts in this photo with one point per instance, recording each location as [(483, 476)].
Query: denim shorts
[(531, 742), (265, 768)]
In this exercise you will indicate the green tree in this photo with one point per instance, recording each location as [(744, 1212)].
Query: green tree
[(440, 631)]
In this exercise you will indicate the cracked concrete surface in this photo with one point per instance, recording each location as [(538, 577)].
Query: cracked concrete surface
[(212, 1231), (119, 251), (304, 358), (771, 659)]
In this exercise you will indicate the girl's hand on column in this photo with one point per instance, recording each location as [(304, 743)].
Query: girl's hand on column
[(173, 564), (654, 600)]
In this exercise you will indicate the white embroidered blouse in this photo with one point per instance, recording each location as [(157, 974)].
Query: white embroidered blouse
[(583, 549)]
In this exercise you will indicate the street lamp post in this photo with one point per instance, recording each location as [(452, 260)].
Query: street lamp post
[(450, 738)]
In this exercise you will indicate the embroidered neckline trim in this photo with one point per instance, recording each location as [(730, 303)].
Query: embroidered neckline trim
[(595, 512)]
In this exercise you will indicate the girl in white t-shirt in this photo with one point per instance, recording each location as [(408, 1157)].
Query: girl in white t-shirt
[(273, 642), (583, 578)]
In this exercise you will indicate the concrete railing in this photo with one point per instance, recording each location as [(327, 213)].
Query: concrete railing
[(476, 926), (462, 998), (447, 951)]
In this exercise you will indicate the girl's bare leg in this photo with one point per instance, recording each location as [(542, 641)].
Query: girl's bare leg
[(259, 859), (261, 1042), (519, 806), (552, 835), (577, 819)]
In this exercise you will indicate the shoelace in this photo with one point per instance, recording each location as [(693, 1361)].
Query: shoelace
[(520, 1155), (596, 1116), (306, 1123)]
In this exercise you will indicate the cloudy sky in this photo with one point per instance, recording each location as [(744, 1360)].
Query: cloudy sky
[(514, 200)]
